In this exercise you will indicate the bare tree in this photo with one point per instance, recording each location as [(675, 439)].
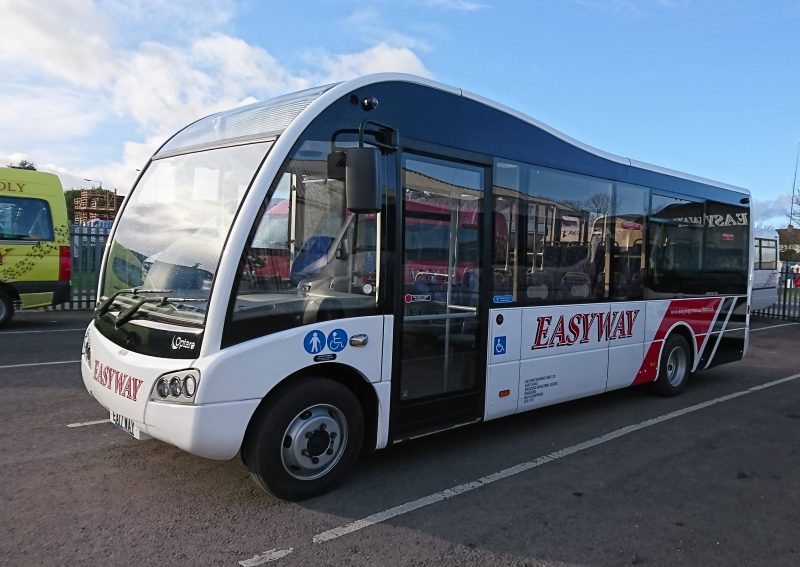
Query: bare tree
[(599, 203), (794, 211)]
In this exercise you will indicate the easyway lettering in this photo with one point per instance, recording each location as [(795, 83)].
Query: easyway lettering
[(584, 327), (738, 219), (123, 384)]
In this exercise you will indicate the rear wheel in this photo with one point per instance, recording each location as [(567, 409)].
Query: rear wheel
[(305, 439), (674, 367), (6, 309)]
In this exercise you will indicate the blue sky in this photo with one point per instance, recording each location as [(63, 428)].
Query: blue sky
[(712, 88)]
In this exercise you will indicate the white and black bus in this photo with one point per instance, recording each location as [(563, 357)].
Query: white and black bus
[(364, 263), (765, 268)]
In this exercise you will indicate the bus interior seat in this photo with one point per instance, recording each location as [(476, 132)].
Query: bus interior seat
[(574, 254), (576, 285), (538, 285), (551, 256)]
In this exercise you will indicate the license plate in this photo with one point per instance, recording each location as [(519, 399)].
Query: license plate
[(126, 424)]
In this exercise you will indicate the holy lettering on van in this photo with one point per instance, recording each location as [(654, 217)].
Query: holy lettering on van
[(12, 186), (123, 384), (584, 327)]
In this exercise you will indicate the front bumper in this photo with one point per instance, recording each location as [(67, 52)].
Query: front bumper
[(213, 430)]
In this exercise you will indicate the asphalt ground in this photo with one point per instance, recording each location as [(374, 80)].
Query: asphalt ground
[(711, 477)]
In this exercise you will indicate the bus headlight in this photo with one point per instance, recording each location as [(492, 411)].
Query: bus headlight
[(189, 386), (86, 351), (162, 387), (176, 387)]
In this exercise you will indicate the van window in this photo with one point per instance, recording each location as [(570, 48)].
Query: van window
[(25, 219)]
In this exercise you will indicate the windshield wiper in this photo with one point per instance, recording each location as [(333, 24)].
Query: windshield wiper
[(103, 308), (128, 313)]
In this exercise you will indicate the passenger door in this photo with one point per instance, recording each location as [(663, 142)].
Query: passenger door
[(439, 368)]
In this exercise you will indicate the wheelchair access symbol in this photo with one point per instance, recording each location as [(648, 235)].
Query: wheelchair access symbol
[(337, 340), (499, 345)]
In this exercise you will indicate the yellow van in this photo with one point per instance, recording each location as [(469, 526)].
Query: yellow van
[(35, 262)]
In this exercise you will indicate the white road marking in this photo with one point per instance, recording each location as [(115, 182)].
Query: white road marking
[(346, 529), (39, 364), (46, 331), (266, 557), (85, 423), (772, 327)]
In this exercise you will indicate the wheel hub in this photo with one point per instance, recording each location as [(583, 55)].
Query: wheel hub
[(314, 442)]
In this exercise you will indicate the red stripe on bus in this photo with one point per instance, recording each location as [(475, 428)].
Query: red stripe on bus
[(698, 314)]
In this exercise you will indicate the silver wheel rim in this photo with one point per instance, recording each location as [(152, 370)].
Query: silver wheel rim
[(314, 442), (3, 310), (676, 366)]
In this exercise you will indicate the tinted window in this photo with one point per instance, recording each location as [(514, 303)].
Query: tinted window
[(627, 249), (565, 220), (697, 248), (766, 254), (25, 219)]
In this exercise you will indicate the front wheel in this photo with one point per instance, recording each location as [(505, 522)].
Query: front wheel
[(6, 309), (305, 439), (674, 367)]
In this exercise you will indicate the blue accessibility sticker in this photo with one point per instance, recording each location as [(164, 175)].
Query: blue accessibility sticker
[(314, 342), (337, 340), (499, 345)]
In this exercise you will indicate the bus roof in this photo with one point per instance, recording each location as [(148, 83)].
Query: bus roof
[(267, 119)]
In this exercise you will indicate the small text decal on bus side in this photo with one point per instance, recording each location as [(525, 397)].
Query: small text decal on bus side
[(179, 342), (123, 384), (578, 328)]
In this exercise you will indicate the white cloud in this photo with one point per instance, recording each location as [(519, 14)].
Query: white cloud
[(72, 69), (45, 113), (377, 59), (369, 25), (177, 18), (772, 212), (625, 6), (36, 38), (459, 5)]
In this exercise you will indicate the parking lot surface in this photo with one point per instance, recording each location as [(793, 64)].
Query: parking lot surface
[(711, 477)]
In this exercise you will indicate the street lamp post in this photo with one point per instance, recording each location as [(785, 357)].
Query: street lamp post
[(794, 187), (100, 183)]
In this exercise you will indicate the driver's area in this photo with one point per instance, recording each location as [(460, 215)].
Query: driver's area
[(309, 258)]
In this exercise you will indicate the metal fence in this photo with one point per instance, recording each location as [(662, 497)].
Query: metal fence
[(88, 243), (788, 304)]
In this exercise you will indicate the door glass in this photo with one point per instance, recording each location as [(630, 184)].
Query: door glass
[(441, 243)]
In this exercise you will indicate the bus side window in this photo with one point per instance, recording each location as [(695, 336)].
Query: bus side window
[(630, 213), (505, 254), (564, 222)]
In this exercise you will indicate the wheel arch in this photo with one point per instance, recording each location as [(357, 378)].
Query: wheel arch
[(345, 375), (10, 291), (684, 330)]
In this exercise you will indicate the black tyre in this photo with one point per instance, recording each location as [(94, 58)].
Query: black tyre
[(305, 440), (6, 309), (674, 368)]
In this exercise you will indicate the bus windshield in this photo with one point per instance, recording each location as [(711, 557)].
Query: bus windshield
[(171, 233)]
